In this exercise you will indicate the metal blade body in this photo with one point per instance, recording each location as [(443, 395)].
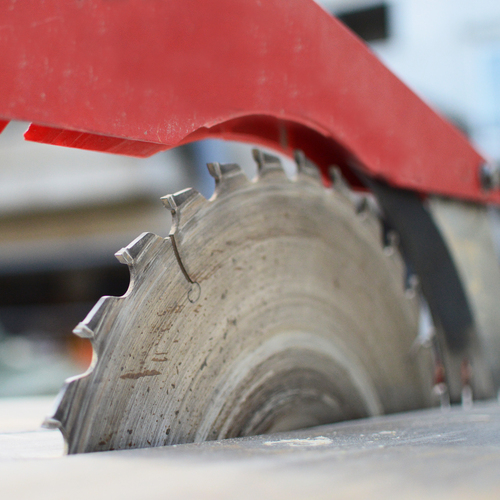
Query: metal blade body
[(272, 306)]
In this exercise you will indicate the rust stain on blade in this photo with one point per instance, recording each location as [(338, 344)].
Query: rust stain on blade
[(146, 373)]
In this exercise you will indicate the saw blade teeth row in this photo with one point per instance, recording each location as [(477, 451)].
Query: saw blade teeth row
[(99, 320), (132, 255), (366, 208)]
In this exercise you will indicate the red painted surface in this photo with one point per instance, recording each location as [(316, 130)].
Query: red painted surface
[(3, 124), (135, 76), (93, 142)]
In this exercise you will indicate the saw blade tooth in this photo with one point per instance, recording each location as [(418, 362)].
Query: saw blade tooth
[(307, 168), (51, 423), (366, 207), (392, 243), (83, 331), (222, 171), (214, 169), (338, 182), (362, 206), (177, 200), (124, 256), (184, 205), (412, 284), (341, 186), (61, 416), (89, 327), (227, 176), (268, 164), (131, 254), (366, 211), (59, 409)]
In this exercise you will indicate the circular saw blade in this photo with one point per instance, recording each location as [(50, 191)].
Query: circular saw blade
[(272, 306)]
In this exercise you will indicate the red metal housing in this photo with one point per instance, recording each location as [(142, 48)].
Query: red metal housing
[(135, 77)]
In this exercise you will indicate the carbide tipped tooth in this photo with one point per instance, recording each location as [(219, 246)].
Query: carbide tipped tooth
[(336, 177), (124, 256), (227, 176), (339, 184), (51, 423), (222, 171), (362, 206), (412, 286), (83, 331), (89, 327), (215, 171), (306, 167), (267, 163), (392, 243), (175, 201), (63, 416), (129, 254)]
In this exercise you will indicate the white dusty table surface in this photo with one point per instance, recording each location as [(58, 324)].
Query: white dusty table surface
[(445, 454)]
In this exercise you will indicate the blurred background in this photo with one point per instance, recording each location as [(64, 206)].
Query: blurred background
[(64, 212)]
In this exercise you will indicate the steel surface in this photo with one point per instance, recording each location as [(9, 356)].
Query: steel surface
[(136, 77)]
